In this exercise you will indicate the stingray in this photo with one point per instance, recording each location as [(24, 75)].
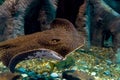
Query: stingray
[(54, 43)]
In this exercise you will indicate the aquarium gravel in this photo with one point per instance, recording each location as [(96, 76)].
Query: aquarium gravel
[(94, 62)]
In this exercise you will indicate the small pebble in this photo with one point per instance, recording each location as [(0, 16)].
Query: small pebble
[(38, 76), (109, 62), (21, 70), (45, 73), (107, 73), (24, 75), (58, 79), (54, 75), (93, 73), (31, 73), (74, 68), (83, 62), (97, 78), (85, 66)]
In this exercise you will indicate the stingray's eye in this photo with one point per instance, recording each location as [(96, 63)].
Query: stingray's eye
[(55, 40)]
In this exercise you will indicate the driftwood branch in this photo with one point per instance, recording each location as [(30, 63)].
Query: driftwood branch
[(114, 4), (19, 17), (105, 23), (13, 11)]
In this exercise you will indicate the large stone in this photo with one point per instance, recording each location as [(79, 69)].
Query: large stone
[(76, 75)]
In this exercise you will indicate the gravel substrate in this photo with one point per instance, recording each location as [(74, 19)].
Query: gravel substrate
[(94, 62)]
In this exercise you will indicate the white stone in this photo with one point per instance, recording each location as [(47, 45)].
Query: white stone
[(54, 75), (93, 73), (24, 75), (74, 68)]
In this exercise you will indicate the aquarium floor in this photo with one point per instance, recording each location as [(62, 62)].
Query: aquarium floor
[(94, 62)]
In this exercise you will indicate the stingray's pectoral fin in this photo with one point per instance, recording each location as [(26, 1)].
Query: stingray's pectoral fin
[(32, 54)]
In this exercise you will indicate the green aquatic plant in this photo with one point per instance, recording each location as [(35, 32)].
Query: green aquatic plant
[(70, 61)]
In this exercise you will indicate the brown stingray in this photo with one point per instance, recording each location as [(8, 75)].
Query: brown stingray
[(61, 38), (9, 76)]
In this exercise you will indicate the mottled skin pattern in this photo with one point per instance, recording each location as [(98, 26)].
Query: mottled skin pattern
[(62, 38), (105, 23)]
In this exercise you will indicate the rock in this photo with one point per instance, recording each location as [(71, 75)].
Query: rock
[(38, 76), (21, 70), (9, 76), (107, 73), (93, 73), (31, 73), (24, 75), (109, 62), (76, 75), (54, 75)]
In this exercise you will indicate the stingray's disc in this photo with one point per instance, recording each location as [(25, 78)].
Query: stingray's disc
[(32, 54)]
